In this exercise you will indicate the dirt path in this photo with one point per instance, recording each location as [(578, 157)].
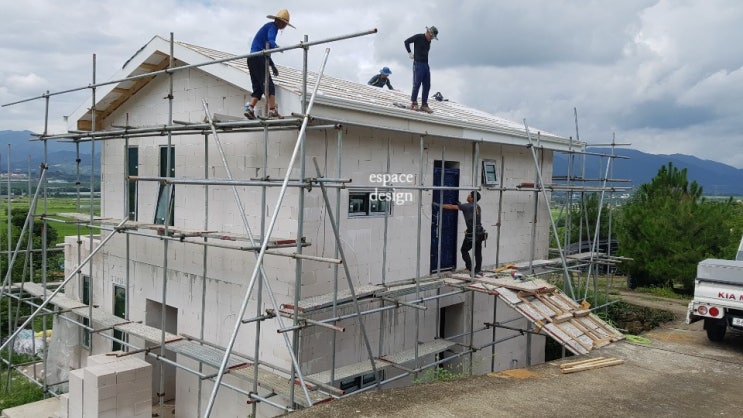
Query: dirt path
[(678, 373), (676, 306)]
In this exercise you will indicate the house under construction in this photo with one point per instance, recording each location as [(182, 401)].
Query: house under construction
[(259, 266)]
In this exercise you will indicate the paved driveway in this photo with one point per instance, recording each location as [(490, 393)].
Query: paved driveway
[(678, 374)]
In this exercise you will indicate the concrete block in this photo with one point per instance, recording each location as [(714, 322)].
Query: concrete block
[(125, 372), (128, 398), (90, 409), (107, 414), (126, 387), (143, 407), (105, 392), (99, 376), (125, 411), (75, 404), (105, 358), (108, 404), (64, 405)]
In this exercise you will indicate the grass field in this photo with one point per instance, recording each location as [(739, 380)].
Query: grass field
[(54, 205)]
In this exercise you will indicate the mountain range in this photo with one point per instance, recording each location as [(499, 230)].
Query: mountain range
[(636, 167), (716, 179), (26, 155)]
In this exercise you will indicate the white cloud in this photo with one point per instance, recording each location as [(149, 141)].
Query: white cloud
[(664, 75)]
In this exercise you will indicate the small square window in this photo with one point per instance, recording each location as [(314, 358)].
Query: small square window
[(368, 204), (489, 173)]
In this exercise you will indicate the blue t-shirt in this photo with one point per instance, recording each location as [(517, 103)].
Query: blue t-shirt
[(267, 33)]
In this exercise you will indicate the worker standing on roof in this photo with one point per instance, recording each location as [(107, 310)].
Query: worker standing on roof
[(257, 64), (421, 72), (471, 212), (382, 79)]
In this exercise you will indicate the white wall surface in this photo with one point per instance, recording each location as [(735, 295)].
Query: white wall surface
[(228, 271)]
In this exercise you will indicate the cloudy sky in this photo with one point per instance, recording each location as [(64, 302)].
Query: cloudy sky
[(665, 76)]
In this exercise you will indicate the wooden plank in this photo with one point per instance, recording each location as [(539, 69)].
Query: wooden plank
[(593, 365), (580, 362)]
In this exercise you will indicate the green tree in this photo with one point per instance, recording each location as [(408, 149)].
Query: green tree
[(583, 219), (667, 228), (17, 220)]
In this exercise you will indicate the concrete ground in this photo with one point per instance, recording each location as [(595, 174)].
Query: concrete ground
[(678, 373)]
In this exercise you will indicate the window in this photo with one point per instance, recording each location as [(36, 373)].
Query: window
[(165, 210), (120, 311), (133, 170), (359, 382), (368, 203), (85, 298), (489, 176)]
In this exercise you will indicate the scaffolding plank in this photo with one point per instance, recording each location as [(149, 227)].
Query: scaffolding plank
[(326, 300), (177, 231), (364, 367), (424, 349), (410, 288), (209, 355), (547, 307)]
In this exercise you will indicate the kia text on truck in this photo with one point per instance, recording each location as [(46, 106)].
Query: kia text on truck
[(718, 295)]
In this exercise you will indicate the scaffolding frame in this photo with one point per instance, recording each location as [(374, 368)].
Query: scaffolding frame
[(317, 387)]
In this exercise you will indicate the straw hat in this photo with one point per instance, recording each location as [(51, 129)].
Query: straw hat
[(282, 15)]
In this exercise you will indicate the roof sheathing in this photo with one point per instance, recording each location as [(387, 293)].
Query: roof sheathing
[(360, 101), (337, 101)]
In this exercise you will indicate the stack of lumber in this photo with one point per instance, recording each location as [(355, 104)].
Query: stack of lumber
[(592, 363)]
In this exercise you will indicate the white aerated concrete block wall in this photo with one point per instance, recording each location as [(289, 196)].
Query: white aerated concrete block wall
[(111, 387)]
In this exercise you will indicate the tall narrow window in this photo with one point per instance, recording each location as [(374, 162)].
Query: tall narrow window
[(166, 195), (133, 170), (85, 297), (120, 311)]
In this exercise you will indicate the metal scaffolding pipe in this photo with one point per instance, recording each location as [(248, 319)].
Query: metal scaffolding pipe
[(261, 254), (61, 286)]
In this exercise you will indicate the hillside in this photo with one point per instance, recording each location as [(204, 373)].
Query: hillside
[(27, 154), (716, 179)]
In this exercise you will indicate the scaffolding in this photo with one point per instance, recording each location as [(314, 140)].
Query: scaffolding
[(550, 311)]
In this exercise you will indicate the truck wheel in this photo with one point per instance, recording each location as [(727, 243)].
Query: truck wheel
[(715, 329)]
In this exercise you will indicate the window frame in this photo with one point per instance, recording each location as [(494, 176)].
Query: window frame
[(489, 177), (85, 284), (132, 186), (121, 335), (366, 204)]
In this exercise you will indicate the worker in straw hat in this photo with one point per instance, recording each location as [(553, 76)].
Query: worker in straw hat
[(257, 64), (421, 71), (382, 79)]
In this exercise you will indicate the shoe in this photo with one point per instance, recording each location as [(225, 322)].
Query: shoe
[(426, 109), (249, 113), (414, 106), (480, 274), (274, 113)]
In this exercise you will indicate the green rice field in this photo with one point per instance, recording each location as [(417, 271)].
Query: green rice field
[(54, 205)]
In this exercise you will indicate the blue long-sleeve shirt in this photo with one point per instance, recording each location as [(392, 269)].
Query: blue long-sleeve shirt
[(267, 33)]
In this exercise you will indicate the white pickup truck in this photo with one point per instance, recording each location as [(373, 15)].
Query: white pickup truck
[(718, 296)]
